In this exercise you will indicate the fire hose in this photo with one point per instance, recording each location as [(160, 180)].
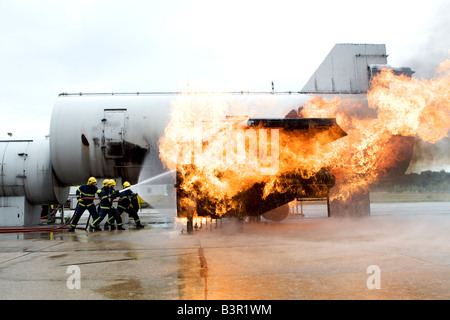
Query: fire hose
[(50, 229), (34, 229), (47, 229), (51, 213)]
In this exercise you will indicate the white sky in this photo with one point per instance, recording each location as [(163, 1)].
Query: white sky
[(49, 47)]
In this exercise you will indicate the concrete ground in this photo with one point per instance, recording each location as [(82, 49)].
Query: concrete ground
[(402, 251)]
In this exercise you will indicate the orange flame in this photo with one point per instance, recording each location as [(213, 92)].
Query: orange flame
[(200, 134), (409, 106)]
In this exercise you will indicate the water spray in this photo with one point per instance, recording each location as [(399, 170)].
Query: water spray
[(149, 179)]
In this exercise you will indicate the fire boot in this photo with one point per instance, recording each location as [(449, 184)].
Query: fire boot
[(139, 225), (94, 228)]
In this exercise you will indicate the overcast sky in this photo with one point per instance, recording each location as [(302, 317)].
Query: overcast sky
[(49, 47)]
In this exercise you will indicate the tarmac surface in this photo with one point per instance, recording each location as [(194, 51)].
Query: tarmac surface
[(402, 251)]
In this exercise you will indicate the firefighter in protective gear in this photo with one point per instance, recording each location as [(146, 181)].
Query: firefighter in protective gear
[(129, 203), (107, 196), (85, 195), (113, 215)]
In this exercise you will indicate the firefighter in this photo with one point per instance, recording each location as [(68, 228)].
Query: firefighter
[(113, 215), (85, 196), (129, 203), (106, 202)]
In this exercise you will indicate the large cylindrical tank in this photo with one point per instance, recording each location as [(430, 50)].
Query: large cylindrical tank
[(26, 170), (105, 135), (110, 135)]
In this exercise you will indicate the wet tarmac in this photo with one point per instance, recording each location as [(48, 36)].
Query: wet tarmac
[(402, 251)]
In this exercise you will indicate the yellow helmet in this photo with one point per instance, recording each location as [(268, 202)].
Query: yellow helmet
[(91, 180), (112, 182), (126, 184), (105, 182)]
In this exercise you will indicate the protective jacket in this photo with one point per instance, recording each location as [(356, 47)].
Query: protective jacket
[(105, 198), (86, 191), (128, 199)]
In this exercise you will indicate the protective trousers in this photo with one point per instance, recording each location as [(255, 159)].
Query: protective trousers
[(113, 216), (79, 212), (132, 213)]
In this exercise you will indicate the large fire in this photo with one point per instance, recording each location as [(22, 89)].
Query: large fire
[(224, 157)]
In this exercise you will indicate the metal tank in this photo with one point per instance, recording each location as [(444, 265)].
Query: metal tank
[(27, 181), (105, 135), (111, 135)]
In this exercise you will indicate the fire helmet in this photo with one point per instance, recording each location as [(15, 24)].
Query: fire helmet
[(91, 180), (105, 182), (126, 184)]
